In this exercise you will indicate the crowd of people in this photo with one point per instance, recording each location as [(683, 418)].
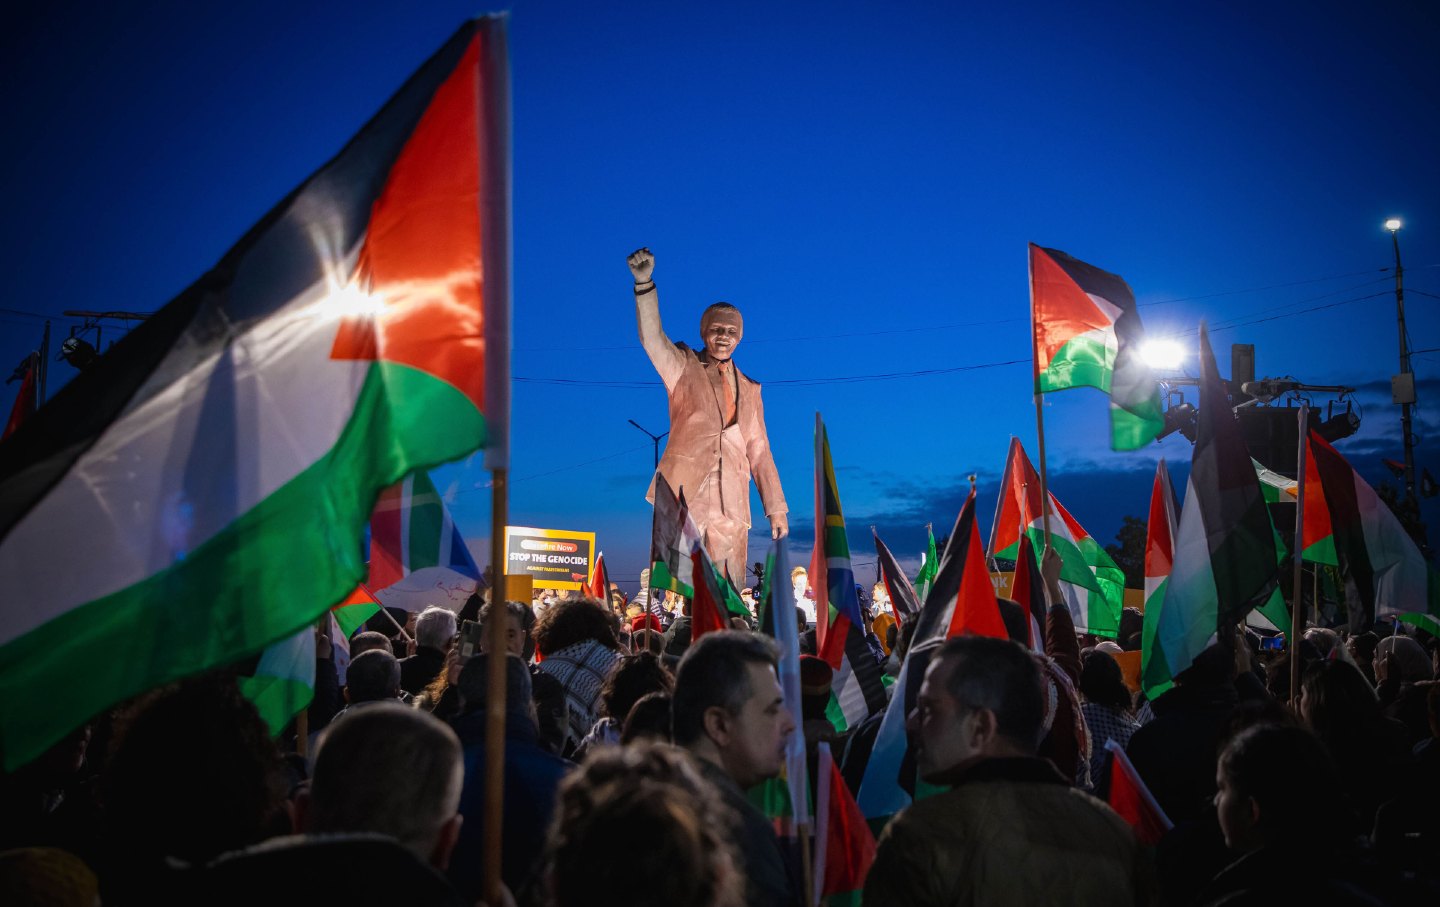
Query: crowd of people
[(631, 750)]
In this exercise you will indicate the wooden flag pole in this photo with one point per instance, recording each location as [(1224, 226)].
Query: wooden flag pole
[(1044, 478), (393, 622), (495, 689), (1039, 409), (1298, 603)]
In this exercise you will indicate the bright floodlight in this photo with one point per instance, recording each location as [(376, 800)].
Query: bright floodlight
[(1162, 355), (1392, 224)]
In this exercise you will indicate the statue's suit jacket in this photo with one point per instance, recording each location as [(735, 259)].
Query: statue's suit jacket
[(699, 439)]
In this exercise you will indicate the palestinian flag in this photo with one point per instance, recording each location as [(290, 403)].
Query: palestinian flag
[(844, 845), (902, 595), (1092, 585), (785, 798), (1276, 489), (1028, 590), (673, 539), (418, 557), (929, 564), (28, 399), (962, 601), (1224, 561), (351, 614), (598, 585), (840, 627), (1132, 800), (1087, 333), (284, 679), (1383, 571), (672, 535), (1155, 675), (218, 465)]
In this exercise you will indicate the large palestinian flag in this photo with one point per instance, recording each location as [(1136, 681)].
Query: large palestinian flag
[(1087, 333), (202, 491), (1347, 525), (1091, 583), (1224, 561)]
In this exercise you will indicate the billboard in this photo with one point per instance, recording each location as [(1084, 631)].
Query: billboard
[(552, 558)]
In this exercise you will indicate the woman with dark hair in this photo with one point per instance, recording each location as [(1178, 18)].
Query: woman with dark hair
[(577, 641), (1275, 816), (632, 677), (649, 719), (1107, 706), (639, 826), (1372, 752)]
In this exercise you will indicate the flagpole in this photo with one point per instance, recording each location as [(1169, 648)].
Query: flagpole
[(1298, 604), (388, 616), (1044, 478), (1039, 405), (495, 691)]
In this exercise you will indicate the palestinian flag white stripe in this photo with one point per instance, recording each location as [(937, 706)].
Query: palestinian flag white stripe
[(138, 507)]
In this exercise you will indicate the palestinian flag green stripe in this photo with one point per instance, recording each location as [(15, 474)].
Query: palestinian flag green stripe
[(284, 681), (1087, 360), (173, 622)]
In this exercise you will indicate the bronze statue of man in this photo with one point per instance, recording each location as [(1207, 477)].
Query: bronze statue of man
[(717, 426)]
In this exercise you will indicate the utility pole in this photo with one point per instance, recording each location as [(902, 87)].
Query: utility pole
[(1402, 386), (656, 438)]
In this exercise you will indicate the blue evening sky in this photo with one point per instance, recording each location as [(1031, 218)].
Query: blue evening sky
[(860, 178)]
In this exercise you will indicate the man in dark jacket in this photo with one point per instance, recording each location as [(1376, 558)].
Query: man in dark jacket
[(729, 713), (532, 778), (434, 630), (402, 832), (1010, 830)]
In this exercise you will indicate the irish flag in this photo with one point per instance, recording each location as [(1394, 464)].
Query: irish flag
[(1155, 676), (1092, 584), (1347, 525), (1224, 560), (216, 468), (1087, 333)]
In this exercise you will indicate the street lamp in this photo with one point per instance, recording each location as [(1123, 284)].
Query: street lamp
[(653, 437), (1162, 354), (1402, 386)]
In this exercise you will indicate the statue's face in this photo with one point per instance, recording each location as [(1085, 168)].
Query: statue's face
[(721, 333)]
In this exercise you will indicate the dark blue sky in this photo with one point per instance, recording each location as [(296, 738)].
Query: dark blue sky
[(860, 179)]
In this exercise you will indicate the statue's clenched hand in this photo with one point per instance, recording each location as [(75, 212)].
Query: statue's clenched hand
[(642, 265)]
